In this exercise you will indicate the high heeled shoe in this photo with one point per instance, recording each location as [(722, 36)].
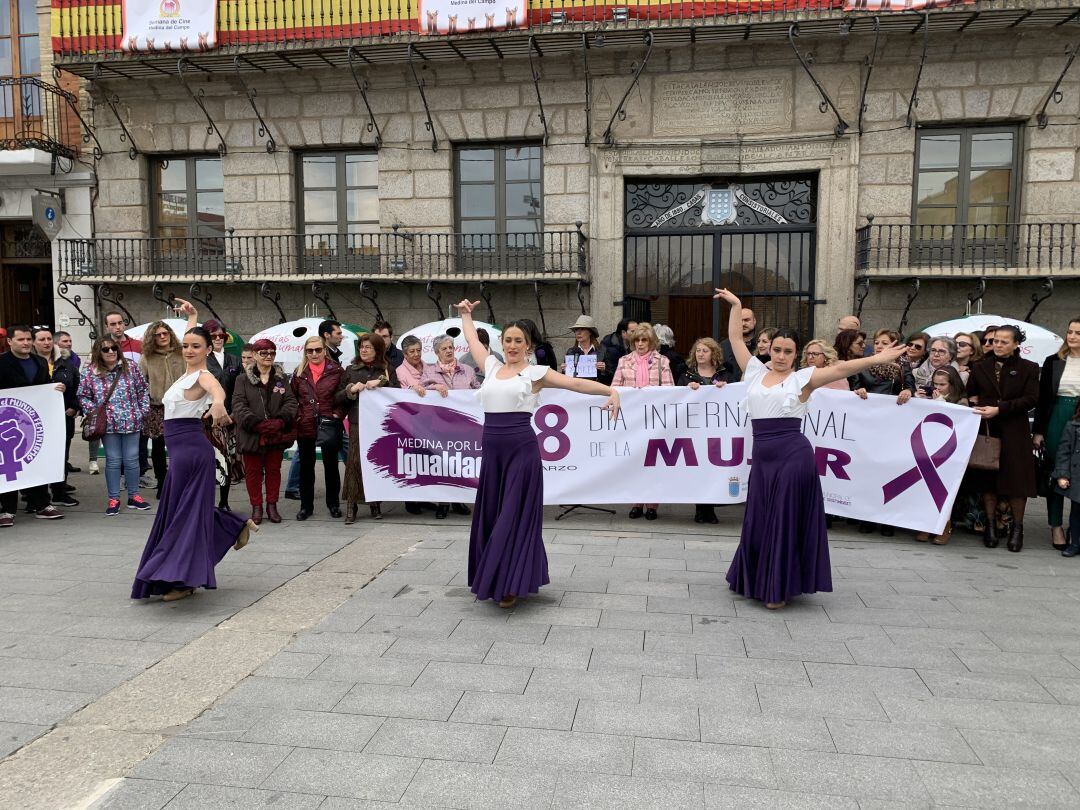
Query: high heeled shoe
[(272, 513), (257, 514), (245, 534), (1057, 538), (350, 514), (990, 538), (376, 510), (1016, 538), (943, 538)]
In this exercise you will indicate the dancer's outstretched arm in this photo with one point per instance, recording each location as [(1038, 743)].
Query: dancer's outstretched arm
[(581, 385), (476, 348)]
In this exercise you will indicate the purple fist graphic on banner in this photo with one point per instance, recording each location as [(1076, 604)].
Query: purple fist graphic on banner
[(21, 435)]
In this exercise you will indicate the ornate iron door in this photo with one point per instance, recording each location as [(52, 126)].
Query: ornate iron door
[(754, 236)]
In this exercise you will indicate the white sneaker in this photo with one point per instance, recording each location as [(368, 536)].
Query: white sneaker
[(7, 520), (94, 469), (147, 481)]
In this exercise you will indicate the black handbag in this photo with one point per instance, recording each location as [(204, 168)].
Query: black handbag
[(329, 433), (1044, 472)]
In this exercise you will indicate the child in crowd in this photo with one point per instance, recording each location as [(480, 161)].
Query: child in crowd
[(1067, 475)]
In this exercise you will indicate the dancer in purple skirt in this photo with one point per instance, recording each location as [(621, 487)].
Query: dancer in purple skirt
[(190, 535), (506, 549), (784, 548)]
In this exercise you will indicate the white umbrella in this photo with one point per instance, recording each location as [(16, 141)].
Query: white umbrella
[(178, 325), (289, 339), (451, 326), (1040, 343)]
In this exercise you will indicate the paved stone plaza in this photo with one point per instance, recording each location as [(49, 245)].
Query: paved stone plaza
[(930, 677)]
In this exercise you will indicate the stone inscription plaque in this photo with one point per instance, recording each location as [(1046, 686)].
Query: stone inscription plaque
[(711, 104)]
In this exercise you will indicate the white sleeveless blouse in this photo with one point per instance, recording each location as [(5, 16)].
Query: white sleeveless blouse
[(509, 396), (778, 401), (177, 407)]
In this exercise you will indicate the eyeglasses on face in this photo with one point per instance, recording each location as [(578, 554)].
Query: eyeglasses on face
[(109, 350), (218, 336), (938, 351), (815, 354), (963, 344), (161, 334), (314, 351), (266, 353), (914, 345)]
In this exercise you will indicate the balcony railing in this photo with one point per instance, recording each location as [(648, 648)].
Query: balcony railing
[(38, 115), (391, 256), (1023, 249)]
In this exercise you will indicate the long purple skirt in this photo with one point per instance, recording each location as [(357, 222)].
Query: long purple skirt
[(784, 548), (506, 549), (190, 535)]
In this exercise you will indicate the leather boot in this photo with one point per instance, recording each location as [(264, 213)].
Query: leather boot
[(350, 514), (376, 510), (272, 513), (257, 514), (1016, 538), (990, 538)]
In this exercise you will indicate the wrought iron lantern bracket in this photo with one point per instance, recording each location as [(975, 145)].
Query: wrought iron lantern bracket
[(485, 294), (536, 83), (826, 103), (274, 297), (976, 296), (320, 291), (105, 293), (620, 110), (63, 292), (581, 285), (435, 297), (369, 292), (913, 102), (111, 100), (869, 62), (1036, 298), (199, 99), (88, 133), (251, 92), (158, 291), (428, 124), (862, 290), (196, 293), (911, 296), (362, 86), (588, 89), (1055, 92), (540, 308)]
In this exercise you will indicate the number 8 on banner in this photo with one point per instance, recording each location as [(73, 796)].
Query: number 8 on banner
[(553, 431)]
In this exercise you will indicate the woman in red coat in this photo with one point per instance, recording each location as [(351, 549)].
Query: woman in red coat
[(315, 382), (1003, 387)]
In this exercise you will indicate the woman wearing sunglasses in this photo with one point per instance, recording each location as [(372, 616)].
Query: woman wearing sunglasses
[(112, 381), (315, 382), (189, 536)]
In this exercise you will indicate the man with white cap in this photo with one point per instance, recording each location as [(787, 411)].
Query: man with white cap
[(586, 343)]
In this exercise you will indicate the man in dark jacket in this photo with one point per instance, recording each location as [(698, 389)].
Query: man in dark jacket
[(749, 329), (330, 332), (61, 372), (394, 356), (616, 343), (20, 367)]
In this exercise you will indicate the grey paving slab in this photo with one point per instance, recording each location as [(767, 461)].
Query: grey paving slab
[(604, 601), (825, 652), (596, 638), (638, 719), (756, 670), (523, 711), (1034, 751), (703, 762), (15, 735), (471, 631), (1037, 664), (343, 773), (735, 696), (475, 677), (213, 762), (417, 702), (618, 792), (877, 679), (624, 686), (900, 740), (479, 787), (307, 729), (555, 616), (39, 706), (288, 693), (364, 669), (325, 643), (704, 643), (979, 786), (848, 775), (723, 724), (643, 620), (680, 665), (198, 797), (993, 686), (971, 713), (428, 739), (820, 701), (558, 751), (730, 797), (138, 794), (291, 665)]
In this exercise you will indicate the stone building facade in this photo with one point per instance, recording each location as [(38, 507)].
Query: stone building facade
[(716, 113)]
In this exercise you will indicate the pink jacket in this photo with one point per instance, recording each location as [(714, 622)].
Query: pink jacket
[(659, 370), (463, 377)]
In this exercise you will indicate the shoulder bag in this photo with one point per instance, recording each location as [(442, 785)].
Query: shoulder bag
[(95, 423), (986, 453)]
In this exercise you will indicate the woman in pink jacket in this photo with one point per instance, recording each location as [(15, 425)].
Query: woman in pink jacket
[(642, 367)]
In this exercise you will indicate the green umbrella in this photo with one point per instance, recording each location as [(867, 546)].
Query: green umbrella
[(234, 345)]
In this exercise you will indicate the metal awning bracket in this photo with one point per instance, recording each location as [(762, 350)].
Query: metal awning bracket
[(581, 285), (869, 63), (88, 133), (274, 297), (158, 291), (826, 103), (362, 86), (1036, 299), (63, 292), (862, 290), (620, 111), (976, 296), (911, 296), (369, 291), (111, 100), (913, 102), (199, 98), (251, 92), (435, 297), (105, 293), (428, 124), (196, 293), (588, 89), (320, 291), (536, 83), (1055, 92), (485, 294), (540, 307)]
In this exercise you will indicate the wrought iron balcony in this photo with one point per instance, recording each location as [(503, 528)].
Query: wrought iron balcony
[(38, 115), (391, 256), (1027, 249)]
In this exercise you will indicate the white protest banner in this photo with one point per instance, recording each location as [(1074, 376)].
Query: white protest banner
[(896, 465), (461, 16), (32, 436), (169, 25)]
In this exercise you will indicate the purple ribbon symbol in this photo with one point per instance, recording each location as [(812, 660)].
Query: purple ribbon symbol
[(925, 464)]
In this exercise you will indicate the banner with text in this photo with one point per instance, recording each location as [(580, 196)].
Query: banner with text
[(899, 466), (463, 16), (32, 435), (169, 25)]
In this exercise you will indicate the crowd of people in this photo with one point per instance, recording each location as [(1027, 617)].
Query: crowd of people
[(124, 388)]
